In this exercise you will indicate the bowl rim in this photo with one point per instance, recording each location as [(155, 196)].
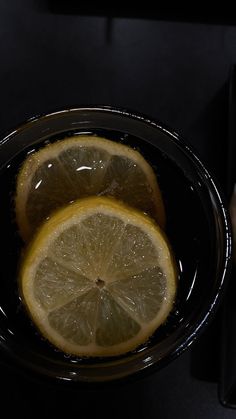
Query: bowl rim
[(206, 314)]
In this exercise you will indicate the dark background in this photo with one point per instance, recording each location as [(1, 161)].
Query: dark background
[(170, 65)]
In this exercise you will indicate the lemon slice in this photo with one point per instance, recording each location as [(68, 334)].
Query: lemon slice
[(82, 166), (98, 278)]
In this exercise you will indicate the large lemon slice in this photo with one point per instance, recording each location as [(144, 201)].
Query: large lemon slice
[(98, 278)]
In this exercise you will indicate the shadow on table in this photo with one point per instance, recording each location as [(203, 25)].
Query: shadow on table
[(212, 127), (205, 355), (148, 12)]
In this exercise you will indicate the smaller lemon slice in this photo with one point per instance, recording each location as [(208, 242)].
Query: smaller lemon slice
[(78, 167), (98, 278)]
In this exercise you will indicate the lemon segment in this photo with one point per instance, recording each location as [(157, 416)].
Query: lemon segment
[(78, 167), (98, 278)]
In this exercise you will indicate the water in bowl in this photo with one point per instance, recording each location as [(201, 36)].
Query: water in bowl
[(187, 229)]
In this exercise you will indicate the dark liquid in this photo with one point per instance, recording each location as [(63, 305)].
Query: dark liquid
[(187, 229)]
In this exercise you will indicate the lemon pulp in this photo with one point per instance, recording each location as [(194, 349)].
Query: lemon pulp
[(78, 167), (98, 278)]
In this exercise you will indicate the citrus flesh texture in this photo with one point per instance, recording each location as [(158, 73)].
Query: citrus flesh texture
[(78, 167), (98, 278)]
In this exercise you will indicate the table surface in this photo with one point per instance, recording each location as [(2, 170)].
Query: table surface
[(176, 72)]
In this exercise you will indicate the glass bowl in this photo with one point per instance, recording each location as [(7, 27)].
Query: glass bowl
[(197, 226)]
